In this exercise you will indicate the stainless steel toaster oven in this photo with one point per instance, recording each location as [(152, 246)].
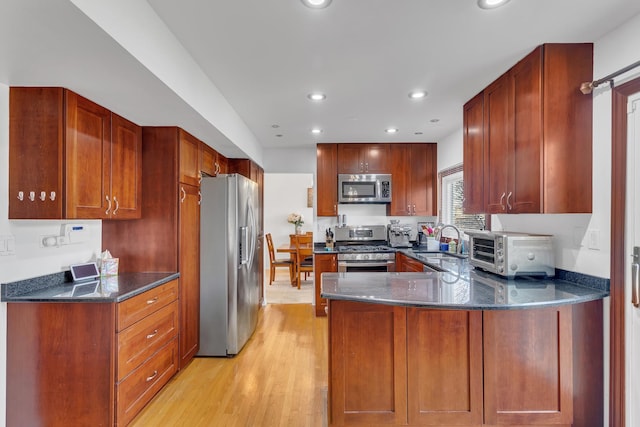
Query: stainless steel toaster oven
[(511, 254)]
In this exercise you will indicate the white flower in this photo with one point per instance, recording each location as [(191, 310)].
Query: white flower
[(295, 218)]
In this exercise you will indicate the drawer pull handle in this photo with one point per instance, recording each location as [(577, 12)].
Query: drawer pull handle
[(152, 334), (152, 301), (155, 374)]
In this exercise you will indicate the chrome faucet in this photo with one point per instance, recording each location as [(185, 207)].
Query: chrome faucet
[(439, 235)]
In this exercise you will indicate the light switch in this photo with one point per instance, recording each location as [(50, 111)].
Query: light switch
[(593, 237), (3, 244)]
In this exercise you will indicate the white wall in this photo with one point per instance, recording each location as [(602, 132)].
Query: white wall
[(285, 193), (289, 160)]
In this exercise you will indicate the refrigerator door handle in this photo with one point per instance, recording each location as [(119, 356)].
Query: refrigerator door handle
[(254, 233), (243, 246), (635, 286)]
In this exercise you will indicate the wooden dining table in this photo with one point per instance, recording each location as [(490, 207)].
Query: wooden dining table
[(292, 250)]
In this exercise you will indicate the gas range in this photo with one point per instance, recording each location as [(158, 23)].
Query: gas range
[(363, 243)]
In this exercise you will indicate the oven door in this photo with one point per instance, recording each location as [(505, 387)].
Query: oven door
[(366, 266)]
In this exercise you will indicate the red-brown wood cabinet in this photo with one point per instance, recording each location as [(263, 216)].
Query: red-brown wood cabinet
[(88, 159), (327, 179), (363, 158), (414, 172), (322, 263), (537, 136)]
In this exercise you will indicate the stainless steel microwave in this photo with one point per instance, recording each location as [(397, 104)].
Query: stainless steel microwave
[(512, 254), (364, 188)]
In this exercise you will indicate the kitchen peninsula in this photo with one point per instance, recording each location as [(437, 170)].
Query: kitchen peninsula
[(463, 348)]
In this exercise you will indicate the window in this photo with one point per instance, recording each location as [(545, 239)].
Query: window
[(451, 198)]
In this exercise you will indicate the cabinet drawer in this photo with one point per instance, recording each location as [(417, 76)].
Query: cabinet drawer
[(138, 389), (134, 309), (142, 339)]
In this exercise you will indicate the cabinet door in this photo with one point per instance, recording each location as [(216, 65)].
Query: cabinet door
[(322, 263), (528, 366), (189, 264), (327, 180), (367, 377), (498, 131), (376, 158), (473, 155), (525, 169), (444, 356), (189, 159), (423, 172), (36, 145), (126, 169), (87, 159), (404, 263), (400, 193), (350, 158), (208, 160)]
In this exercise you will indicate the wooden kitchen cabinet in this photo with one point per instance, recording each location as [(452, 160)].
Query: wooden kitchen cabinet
[(438, 367), (473, 155), (147, 348), (323, 263), (89, 159), (327, 179), (167, 237), (189, 267), (212, 163), (444, 366), (364, 158), (537, 135), (414, 171), (367, 371), (528, 367), (404, 263), (89, 363)]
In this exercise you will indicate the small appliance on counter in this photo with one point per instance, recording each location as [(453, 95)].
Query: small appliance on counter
[(398, 234), (511, 254)]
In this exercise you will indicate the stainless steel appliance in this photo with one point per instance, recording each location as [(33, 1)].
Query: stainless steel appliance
[(512, 254), (364, 188), (398, 234), (364, 248), (229, 279)]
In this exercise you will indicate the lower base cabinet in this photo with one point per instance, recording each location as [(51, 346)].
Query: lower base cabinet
[(428, 367), (98, 364), (322, 263)]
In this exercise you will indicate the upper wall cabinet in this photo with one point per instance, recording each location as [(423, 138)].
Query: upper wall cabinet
[(71, 158), (536, 139), (327, 179), (363, 158), (212, 163), (414, 171)]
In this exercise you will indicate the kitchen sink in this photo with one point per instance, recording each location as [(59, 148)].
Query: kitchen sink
[(441, 255)]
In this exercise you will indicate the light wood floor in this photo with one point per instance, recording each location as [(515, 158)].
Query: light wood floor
[(278, 379)]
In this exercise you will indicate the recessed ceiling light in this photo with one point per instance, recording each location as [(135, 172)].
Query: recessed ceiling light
[(317, 96), (434, 120), (491, 4), (391, 130), (316, 4), (417, 94), (275, 126), (417, 133), (316, 131)]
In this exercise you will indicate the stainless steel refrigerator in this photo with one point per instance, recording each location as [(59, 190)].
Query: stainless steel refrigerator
[(229, 279)]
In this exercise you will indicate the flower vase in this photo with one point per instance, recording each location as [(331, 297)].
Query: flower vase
[(298, 229)]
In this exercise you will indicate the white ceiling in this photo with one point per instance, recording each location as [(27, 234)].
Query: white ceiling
[(265, 57)]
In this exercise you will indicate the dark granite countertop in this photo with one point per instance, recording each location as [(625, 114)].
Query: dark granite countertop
[(480, 291), (459, 286), (57, 288)]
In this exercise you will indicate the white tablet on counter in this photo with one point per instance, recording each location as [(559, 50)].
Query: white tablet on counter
[(84, 272)]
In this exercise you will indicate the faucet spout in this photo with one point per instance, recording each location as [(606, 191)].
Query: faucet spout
[(439, 235)]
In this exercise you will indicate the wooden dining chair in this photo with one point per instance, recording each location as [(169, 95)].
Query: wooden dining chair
[(304, 264), (276, 262), (304, 239)]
